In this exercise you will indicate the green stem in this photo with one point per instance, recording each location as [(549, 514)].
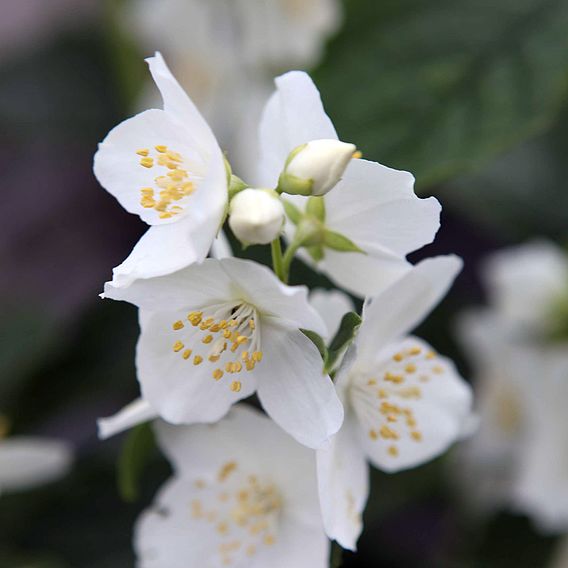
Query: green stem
[(288, 257), (336, 559), (277, 260)]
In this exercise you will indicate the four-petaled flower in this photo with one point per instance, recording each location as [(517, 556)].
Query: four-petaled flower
[(166, 167), (374, 206), (404, 404), (216, 332), (243, 494)]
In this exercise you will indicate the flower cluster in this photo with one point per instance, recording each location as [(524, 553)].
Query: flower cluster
[(339, 389), (519, 343)]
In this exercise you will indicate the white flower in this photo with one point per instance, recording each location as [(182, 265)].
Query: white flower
[(331, 305), (225, 53), (166, 166), (372, 205), (524, 283), (256, 216), (404, 404), (27, 462), (540, 490), (215, 333), (316, 167), (221, 247), (243, 494)]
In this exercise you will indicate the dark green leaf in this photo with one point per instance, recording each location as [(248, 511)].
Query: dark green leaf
[(317, 341), (440, 88), (343, 338), (137, 449)]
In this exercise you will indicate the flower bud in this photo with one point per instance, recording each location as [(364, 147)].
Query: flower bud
[(256, 216), (316, 167)]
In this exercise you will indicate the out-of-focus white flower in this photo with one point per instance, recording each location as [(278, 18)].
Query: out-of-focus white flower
[(166, 167), (226, 52), (27, 462), (404, 404), (517, 460), (216, 332), (256, 216), (316, 167), (243, 494), (331, 305), (373, 206), (525, 282), (221, 248)]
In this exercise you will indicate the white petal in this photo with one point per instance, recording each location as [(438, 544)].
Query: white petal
[(29, 462), (363, 274), (221, 247), (180, 391), (294, 115), (134, 413), (412, 405), (343, 481), (257, 285), (332, 305), (404, 304), (293, 389), (176, 101), (376, 208), (193, 287)]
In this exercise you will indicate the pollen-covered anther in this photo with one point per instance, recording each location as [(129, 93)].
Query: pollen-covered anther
[(171, 187)]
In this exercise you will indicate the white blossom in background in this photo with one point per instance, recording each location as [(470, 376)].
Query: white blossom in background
[(166, 167), (226, 52), (374, 206), (216, 332), (331, 305), (243, 494), (404, 404), (518, 459), (27, 462)]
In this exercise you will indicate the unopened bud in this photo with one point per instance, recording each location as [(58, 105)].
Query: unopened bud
[(316, 167), (256, 216)]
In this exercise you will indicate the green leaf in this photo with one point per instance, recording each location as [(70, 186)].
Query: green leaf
[(292, 212), (441, 88), (317, 341), (316, 207), (136, 452), (316, 252), (339, 242), (343, 338)]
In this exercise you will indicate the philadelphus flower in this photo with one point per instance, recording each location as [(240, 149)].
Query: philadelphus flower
[(216, 332), (243, 494), (256, 216), (331, 305), (404, 404), (518, 459), (373, 206), (27, 462), (166, 167), (316, 167)]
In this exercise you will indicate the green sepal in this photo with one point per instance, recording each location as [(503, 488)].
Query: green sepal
[(316, 252), (345, 335), (293, 154), (340, 243), (292, 212), (316, 207), (236, 184), (287, 183), (318, 341), (137, 449)]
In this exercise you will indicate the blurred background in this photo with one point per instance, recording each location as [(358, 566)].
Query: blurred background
[(469, 96)]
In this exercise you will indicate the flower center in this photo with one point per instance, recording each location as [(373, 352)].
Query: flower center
[(171, 188), (227, 336), (245, 511), (383, 402)]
